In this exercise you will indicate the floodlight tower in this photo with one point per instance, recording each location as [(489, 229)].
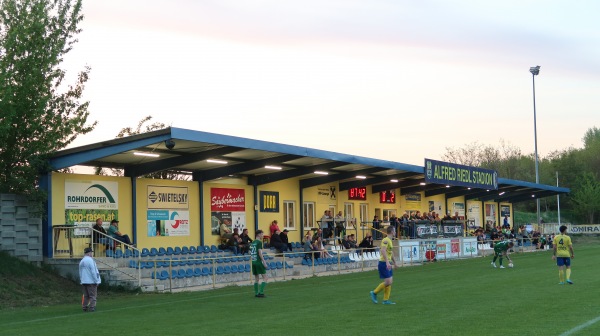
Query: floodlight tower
[(534, 72)]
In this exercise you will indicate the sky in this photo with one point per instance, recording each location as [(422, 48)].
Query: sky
[(395, 80)]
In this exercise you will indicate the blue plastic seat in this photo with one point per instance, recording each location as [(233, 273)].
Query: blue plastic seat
[(213, 249), (192, 250), (247, 268), (174, 274), (220, 269), (109, 253), (227, 269), (199, 249), (185, 250), (162, 251), (136, 253), (128, 254), (206, 249), (177, 250), (189, 273), (164, 275), (145, 252), (181, 273), (242, 268), (305, 262), (246, 258), (289, 265), (205, 271), (279, 265), (118, 254), (153, 252), (132, 264), (170, 251)]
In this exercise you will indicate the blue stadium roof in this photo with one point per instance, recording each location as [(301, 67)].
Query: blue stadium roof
[(187, 151)]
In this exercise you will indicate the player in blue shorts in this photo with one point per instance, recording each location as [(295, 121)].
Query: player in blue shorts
[(386, 263), (563, 253)]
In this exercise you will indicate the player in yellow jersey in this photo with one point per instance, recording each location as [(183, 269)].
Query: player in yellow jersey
[(386, 263), (563, 253)]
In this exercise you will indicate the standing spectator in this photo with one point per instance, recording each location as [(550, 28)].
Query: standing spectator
[(506, 224), (259, 266), (89, 277), (386, 263), (340, 224), (246, 240), (376, 226), (563, 253), (114, 232), (285, 240), (326, 231), (100, 236), (274, 227)]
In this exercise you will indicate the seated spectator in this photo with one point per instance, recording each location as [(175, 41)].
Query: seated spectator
[(274, 227), (245, 242), (307, 245), (367, 243), (114, 232), (352, 241), (98, 237), (233, 244), (321, 252), (346, 243), (225, 229), (277, 243), (284, 238)]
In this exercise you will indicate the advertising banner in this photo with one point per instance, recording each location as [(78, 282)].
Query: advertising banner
[(166, 197), (226, 199), (426, 230), (269, 201), (409, 251), (168, 223), (86, 201), (458, 175), (469, 247)]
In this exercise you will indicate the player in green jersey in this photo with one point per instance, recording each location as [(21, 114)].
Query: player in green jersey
[(501, 250), (563, 253), (259, 266)]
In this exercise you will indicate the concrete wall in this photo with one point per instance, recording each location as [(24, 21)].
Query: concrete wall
[(20, 228)]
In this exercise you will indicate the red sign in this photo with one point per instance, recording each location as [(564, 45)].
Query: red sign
[(359, 193), (224, 199)]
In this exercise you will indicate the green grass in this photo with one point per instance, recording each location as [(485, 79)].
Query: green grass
[(460, 297)]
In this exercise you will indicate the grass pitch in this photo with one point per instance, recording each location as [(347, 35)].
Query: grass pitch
[(459, 297)]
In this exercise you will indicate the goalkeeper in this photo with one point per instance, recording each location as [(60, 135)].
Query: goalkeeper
[(501, 250)]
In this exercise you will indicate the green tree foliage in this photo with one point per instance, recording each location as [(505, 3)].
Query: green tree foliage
[(577, 169), (39, 113), (586, 196)]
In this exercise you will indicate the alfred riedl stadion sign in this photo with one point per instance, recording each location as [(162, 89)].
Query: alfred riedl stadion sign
[(458, 175)]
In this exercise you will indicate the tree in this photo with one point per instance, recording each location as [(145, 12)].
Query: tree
[(39, 113), (586, 196), (143, 127)]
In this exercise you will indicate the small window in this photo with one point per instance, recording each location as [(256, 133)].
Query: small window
[(289, 214)]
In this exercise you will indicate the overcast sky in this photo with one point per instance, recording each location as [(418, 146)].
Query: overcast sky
[(396, 80)]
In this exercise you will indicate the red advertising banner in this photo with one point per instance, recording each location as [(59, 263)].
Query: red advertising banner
[(224, 199)]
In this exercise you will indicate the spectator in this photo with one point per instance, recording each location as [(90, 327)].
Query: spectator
[(352, 241), (506, 224), (100, 236), (277, 243), (367, 243), (233, 244), (114, 232), (285, 240), (326, 226), (346, 242), (308, 245), (274, 227), (89, 278), (340, 224), (225, 229), (245, 243), (320, 249), (376, 226)]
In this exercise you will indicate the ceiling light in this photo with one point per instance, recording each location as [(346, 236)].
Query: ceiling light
[(273, 167), (216, 161), (469, 188), (395, 181), (362, 177), (447, 186), (146, 154), (321, 172), (502, 193), (422, 183)]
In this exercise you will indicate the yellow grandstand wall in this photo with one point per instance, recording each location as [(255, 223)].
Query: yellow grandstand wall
[(84, 213), (409, 204), (438, 205), (457, 204), (474, 211), (287, 190), (175, 205)]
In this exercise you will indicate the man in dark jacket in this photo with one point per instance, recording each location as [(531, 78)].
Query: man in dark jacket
[(277, 243), (284, 239)]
